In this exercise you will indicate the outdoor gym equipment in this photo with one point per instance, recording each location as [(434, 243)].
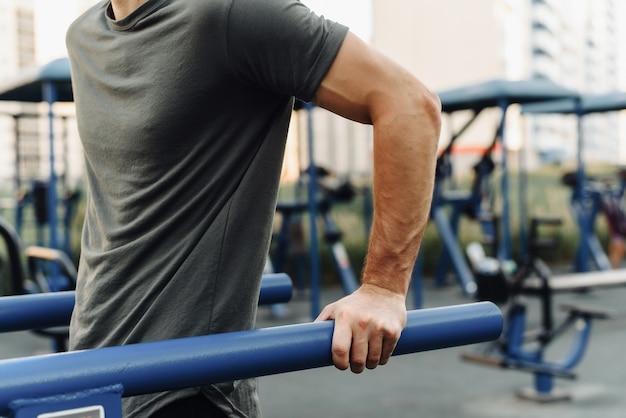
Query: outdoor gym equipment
[(46, 310), (30, 201), (476, 98), (596, 197), (470, 203), (40, 262), (588, 197), (522, 348), (31, 285), (97, 379), (315, 207), (36, 277), (50, 83), (329, 194)]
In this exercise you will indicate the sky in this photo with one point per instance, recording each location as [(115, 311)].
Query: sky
[(52, 21)]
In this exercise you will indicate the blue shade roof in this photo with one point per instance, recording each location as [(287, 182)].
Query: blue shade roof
[(490, 93), (27, 86), (595, 103)]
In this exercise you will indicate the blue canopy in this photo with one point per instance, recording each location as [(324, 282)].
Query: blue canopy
[(28, 86), (492, 93), (595, 103)]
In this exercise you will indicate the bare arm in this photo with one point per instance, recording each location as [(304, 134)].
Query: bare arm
[(365, 86)]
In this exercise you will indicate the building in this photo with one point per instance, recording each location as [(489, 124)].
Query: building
[(17, 29), (446, 43), (449, 43), (577, 44)]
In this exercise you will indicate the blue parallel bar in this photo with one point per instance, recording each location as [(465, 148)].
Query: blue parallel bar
[(45, 310), (174, 364), (275, 288)]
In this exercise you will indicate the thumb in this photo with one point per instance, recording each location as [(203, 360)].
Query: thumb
[(326, 314)]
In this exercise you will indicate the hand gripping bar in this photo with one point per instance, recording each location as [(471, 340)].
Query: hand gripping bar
[(174, 364), (45, 310)]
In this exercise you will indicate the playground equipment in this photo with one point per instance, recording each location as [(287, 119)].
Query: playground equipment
[(476, 98), (522, 348), (97, 379), (589, 197), (50, 83)]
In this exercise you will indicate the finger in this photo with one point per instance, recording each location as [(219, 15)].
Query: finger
[(342, 340), (388, 346), (360, 346), (326, 314), (374, 352), (358, 354)]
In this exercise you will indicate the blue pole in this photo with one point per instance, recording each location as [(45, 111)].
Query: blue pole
[(504, 252), (417, 287), (44, 310), (50, 96), (582, 256), (175, 364), (455, 253), (312, 203)]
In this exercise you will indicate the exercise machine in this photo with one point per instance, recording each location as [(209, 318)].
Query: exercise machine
[(50, 83), (290, 236), (588, 197), (475, 204), (522, 346), (497, 94), (96, 380)]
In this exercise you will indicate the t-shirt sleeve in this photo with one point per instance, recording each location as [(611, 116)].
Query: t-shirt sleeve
[(281, 45)]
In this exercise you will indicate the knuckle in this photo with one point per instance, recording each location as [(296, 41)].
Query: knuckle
[(340, 351)]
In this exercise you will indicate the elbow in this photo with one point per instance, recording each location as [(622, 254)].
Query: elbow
[(427, 113), (430, 107)]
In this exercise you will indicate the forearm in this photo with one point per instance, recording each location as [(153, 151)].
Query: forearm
[(405, 145), (365, 86)]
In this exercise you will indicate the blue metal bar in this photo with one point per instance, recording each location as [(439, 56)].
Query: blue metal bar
[(175, 364), (312, 203), (445, 259), (44, 310), (578, 348), (50, 96), (582, 257), (417, 286), (275, 288), (523, 204), (463, 273), (41, 310), (504, 250), (349, 282)]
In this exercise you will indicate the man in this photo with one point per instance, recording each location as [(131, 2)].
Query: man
[(183, 108)]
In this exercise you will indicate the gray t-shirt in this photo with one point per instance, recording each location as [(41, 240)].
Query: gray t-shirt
[(183, 109)]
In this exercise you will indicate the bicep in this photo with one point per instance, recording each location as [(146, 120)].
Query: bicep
[(364, 85)]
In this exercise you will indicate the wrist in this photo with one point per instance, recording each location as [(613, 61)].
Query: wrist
[(396, 283)]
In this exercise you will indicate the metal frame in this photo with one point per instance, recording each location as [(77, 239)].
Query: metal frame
[(48, 383), (50, 83), (523, 347), (585, 201), (495, 93)]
